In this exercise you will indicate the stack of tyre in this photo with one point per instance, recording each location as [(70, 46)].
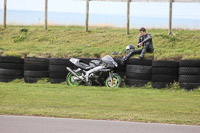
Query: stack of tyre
[(138, 72), (11, 68), (57, 69), (189, 74), (164, 73), (35, 69)]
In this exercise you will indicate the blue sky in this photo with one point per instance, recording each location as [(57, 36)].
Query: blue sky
[(180, 10)]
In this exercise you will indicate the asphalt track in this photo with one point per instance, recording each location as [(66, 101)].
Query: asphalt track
[(29, 124)]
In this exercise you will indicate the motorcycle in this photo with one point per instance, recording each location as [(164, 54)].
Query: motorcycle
[(101, 72)]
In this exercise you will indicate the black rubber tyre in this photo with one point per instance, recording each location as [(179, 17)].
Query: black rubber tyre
[(11, 72), (136, 61), (189, 63), (12, 66), (164, 71), (59, 68), (9, 78), (189, 86), (189, 70), (189, 78), (121, 74), (164, 78), (6, 80), (10, 59), (36, 74), (163, 63), (31, 80), (139, 69), (60, 61), (36, 67), (135, 82), (56, 81), (160, 85), (59, 75), (140, 76), (33, 60)]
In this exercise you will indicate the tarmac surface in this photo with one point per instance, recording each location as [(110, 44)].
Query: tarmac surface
[(31, 124)]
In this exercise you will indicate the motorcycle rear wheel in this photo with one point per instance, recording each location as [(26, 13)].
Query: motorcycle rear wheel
[(71, 81)]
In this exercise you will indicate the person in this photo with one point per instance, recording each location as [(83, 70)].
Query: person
[(144, 41)]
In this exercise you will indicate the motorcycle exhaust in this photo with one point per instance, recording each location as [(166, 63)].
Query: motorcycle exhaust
[(70, 70)]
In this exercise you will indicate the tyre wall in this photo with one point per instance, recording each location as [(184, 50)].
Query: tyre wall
[(189, 74), (11, 68), (57, 69), (35, 69), (164, 73), (136, 72)]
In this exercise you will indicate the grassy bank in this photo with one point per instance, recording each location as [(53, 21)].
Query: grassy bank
[(127, 104), (73, 41)]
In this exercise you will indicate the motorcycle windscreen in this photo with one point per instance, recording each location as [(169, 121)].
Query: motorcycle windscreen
[(109, 60)]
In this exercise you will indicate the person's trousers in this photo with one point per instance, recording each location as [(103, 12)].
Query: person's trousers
[(137, 51)]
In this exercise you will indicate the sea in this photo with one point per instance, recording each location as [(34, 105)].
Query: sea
[(20, 17)]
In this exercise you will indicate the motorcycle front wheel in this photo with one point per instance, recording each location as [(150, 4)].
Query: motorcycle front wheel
[(115, 82), (72, 80)]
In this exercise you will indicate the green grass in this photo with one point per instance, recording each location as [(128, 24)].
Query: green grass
[(172, 105), (83, 102), (73, 41)]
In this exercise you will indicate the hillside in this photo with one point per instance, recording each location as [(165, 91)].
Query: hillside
[(73, 41)]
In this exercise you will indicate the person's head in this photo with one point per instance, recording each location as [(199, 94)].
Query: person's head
[(142, 31)]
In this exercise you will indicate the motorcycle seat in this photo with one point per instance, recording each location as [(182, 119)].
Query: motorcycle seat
[(84, 66)]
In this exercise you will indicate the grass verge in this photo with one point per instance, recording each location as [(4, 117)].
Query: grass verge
[(83, 102), (73, 41)]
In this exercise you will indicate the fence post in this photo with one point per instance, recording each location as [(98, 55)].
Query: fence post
[(46, 14), (128, 17), (87, 15), (5, 13), (170, 17)]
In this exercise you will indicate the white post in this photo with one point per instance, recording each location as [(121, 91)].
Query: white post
[(46, 15), (5, 13), (170, 17), (128, 17), (87, 15)]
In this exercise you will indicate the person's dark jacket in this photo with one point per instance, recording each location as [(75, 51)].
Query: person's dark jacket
[(146, 41)]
